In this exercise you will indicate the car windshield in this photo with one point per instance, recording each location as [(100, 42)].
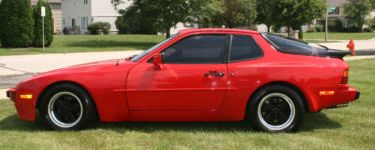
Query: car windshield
[(143, 54), (294, 46)]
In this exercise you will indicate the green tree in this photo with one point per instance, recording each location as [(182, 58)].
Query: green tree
[(266, 12), (372, 4), (164, 14), (206, 13), (16, 23), (134, 22), (295, 13), (357, 11), (237, 13), (48, 24)]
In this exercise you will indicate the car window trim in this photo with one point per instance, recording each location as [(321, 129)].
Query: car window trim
[(279, 49), (247, 59), (226, 49)]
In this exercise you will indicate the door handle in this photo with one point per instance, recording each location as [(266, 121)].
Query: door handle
[(214, 74)]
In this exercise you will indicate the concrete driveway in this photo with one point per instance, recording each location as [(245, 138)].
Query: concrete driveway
[(15, 65), (359, 44), (14, 69)]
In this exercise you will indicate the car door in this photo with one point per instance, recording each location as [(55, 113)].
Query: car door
[(245, 73), (190, 85)]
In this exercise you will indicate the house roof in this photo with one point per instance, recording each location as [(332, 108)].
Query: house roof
[(51, 1)]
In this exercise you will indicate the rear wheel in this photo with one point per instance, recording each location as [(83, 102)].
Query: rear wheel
[(67, 107), (276, 108)]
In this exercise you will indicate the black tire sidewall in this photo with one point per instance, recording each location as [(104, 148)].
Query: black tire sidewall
[(256, 99), (88, 111)]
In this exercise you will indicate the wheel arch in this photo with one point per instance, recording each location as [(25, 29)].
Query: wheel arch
[(44, 91), (306, 102)]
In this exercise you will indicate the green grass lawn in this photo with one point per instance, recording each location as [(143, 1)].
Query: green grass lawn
[(346, 128), (339, 36), (90, 43)]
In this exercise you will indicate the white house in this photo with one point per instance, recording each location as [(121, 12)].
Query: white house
[(81, 13)]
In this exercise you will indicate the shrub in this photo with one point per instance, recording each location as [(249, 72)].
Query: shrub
[(48, 26), (368, 30), (335, 25), (310, 30), (121, 25), (72, 30), (352, 26), (371, 23), (319, 28), (134, 23), (300, 33), (97, 27), (16, 23)]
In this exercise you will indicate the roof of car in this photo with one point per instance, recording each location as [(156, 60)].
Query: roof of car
[(217, 30)]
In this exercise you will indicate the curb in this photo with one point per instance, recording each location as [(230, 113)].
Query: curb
[(3, 95), (365, 52)]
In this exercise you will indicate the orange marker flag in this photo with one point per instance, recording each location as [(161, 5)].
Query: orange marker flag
[(351, 46)]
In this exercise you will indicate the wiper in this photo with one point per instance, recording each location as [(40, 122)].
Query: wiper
[(130, 57), (325, 47)]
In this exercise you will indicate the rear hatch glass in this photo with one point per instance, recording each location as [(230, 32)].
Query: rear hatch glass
[(293, 46)]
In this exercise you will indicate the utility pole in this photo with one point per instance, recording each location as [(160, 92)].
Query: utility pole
[(43, 14), (326, 26)]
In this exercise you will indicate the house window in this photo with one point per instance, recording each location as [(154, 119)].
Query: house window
[(85, 1), (73, 22), (55, 6), (84, 22), (334, 11)]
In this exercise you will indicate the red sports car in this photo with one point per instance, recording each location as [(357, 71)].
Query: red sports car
[(196, 75)]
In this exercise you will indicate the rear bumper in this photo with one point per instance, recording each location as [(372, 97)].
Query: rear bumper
[(358, 94), (11, 94), (338, 96), (346, 94)]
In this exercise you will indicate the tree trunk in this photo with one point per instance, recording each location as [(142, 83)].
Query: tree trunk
[(268, 28), (289, 31), (168, 32)]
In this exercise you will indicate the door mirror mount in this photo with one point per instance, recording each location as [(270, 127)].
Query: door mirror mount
[(158, 61)]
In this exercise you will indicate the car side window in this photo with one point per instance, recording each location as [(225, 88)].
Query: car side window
[(244, 47), (199, 49)]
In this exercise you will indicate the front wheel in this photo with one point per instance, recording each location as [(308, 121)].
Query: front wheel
[(276, 109), (66, 107)]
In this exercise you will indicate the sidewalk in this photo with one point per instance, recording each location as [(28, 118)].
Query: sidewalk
[(360, 45)]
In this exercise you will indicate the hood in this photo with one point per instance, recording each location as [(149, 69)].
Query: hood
[(93, 67)]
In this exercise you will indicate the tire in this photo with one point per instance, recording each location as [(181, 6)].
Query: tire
[(67, 107), (276, 108)]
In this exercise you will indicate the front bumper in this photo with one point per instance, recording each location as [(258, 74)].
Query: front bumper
[(25, 106)]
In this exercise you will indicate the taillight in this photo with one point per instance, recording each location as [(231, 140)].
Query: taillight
[(345, 77)]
